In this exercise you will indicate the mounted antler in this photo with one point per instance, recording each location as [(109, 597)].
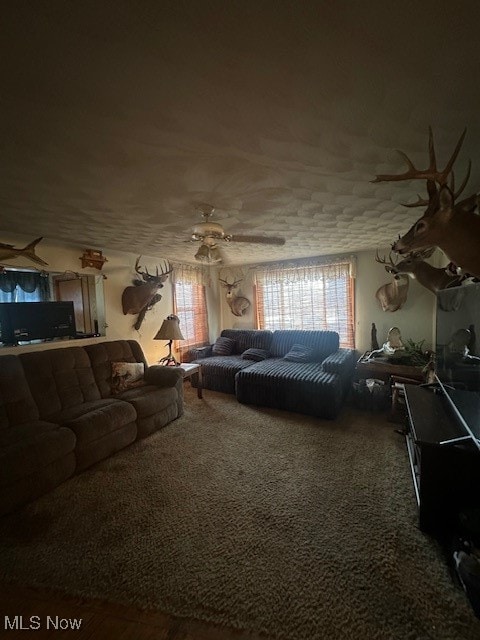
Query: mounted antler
[(453, 227), (141, 297), (390, 266), (230, 286), (431, 173), (147, 277), (414, 265), (432, 190)]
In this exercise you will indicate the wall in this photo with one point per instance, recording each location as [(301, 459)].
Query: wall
[(415, 319), (213, 294), (119, 271), (245, 288)]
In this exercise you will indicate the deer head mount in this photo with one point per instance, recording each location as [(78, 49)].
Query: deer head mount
[(143, 295), (414, 265), (238, 304), (393, 295), (452, 226)]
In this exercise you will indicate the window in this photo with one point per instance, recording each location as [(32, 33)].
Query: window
[(24, 286), (190, 306), (311, 296)]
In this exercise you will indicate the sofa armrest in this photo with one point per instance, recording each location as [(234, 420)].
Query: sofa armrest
[(341, 362), (200, 352), (165, 377), (162, 376)]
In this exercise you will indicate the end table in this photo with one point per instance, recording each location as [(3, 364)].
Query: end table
[(188, 370)]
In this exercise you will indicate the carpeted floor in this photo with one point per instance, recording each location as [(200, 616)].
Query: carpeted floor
[(258, 519)]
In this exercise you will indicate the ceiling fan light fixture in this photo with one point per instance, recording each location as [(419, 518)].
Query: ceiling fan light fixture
[(208, 233), (207, 230), (208, 254)]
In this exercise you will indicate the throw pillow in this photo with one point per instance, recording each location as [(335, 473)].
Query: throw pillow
[(299, 353), (126, 375), (255, 354), (223, 346)]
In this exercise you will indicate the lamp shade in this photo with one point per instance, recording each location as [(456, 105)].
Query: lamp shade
[(170, 330)]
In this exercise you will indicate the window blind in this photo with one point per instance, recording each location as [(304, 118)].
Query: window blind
[(189, 302), (318, 296)]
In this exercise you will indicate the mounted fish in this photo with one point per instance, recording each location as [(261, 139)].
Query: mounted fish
[(8, 252)]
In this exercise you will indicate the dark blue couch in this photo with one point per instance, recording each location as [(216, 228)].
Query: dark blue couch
[(317, 387)]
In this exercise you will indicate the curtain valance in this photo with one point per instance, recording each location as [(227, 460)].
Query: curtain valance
[(190, 274), (305, 270), (28, 281)]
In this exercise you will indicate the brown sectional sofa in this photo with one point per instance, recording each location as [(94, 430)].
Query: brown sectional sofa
[(58, 414), (157, 403), (35, 455)]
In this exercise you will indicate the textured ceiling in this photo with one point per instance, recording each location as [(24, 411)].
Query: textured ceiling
[(119, 118)]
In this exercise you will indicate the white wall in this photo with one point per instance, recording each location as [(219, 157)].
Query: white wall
[(415, 319), (213, 305)]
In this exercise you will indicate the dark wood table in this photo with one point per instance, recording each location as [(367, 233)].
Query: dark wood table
[(383, 368)]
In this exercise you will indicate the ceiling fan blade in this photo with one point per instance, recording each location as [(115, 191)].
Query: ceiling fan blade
[(256, 239)]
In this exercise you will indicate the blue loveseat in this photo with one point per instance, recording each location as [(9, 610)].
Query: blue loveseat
[(315, 387)]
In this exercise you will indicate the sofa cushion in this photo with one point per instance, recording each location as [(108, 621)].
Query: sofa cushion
[(322, 342), (127, 375), (248, 338), (255, 354), (300, 353), (218, 372), (16, 401), (25, 430), (149, 400), (59, 379), (223, 346), (40, 444), (222, 365), (303, 387), (102, 355), (93, 420)]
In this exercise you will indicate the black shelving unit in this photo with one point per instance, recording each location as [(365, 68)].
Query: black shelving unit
[(444, 460)]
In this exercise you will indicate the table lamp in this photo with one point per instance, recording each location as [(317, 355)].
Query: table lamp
[(170, 330)]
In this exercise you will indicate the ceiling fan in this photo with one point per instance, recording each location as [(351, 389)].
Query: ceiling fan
[(208, 233)]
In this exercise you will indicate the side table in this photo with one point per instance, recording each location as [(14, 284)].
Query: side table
[(382, 368), (392, 374), (188, 370)]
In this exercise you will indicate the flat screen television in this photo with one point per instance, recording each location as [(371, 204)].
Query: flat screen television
[(458, 353), (26, 321)]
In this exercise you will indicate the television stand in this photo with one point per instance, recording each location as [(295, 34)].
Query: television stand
[(445, 464)]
